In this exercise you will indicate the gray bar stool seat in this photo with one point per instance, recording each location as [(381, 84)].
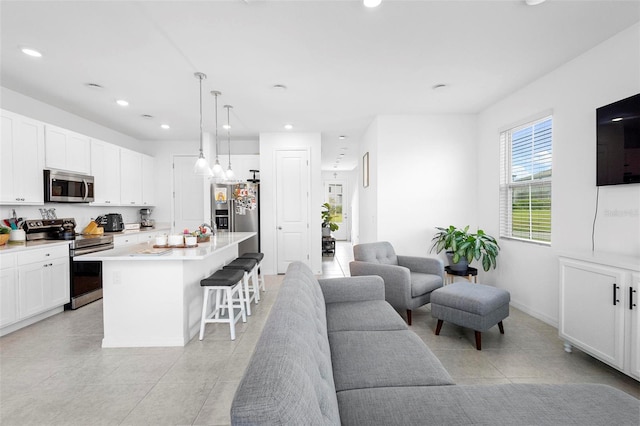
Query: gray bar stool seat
[(258, 258), (227, 283), (249, 268)]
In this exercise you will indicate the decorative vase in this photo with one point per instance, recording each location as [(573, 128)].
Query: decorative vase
[(462, 264), (326, 231)]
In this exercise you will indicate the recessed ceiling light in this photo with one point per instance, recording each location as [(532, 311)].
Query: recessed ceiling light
[(94, 86), (616, 119), (533, 2), (31, 52), (165, 126), (279, 87), (122, 102), (372, 3), (288, 126)]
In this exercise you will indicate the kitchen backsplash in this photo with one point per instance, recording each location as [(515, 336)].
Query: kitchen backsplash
[(82, 213)]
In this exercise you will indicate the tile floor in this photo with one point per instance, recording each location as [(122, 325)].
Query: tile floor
[(56, 373)]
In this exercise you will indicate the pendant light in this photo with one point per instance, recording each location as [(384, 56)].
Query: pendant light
[(201, 168), (229, 175), (217, 170)]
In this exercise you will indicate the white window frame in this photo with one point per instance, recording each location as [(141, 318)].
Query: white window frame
[(507, 185)]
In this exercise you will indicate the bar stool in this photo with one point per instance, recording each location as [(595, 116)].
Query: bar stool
[(229, 283), (258, 258), (248, 267)]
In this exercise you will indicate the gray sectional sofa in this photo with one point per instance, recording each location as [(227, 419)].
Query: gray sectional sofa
[(334, 352)]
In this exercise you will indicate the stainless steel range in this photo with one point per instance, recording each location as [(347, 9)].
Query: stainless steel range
[(86, 277)]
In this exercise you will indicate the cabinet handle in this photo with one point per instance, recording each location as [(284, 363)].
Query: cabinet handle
[(631, 304), (615, 295), (47, 254)]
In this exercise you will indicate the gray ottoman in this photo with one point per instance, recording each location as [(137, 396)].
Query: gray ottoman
[(474, 306)]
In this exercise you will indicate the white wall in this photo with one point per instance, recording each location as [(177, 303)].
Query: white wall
[(424, 177), (606, 73), (367, 230)]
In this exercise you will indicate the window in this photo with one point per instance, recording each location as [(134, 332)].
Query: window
[(525, 181)]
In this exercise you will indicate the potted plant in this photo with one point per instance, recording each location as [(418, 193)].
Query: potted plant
[(327, 225), (463, 246)]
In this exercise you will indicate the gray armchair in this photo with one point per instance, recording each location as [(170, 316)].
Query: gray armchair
[(408, 280)]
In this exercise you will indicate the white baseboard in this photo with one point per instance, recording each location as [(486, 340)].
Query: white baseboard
[(542, 317)]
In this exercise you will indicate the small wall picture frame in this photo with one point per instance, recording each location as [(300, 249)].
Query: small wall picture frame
[(365, 170)]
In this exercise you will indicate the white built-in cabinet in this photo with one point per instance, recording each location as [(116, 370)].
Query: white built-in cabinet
[(130, 177), (148, 181), (599, 308), (33, 282), (21, 160), (105, 168), (67, 150), (8, 290), (136, 178)]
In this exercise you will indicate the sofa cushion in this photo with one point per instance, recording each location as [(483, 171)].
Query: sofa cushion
[(290, 376), (365, 359), (424, 283), (508, 404), (363, 316)]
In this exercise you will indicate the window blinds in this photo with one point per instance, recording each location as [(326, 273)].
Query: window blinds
[(525, 181)]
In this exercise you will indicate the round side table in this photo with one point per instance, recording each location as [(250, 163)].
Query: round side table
[(469, 274)]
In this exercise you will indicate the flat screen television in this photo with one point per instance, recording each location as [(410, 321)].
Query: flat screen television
[(618, 142)]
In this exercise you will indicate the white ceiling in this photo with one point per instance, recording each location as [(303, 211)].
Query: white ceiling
[(342, 63)]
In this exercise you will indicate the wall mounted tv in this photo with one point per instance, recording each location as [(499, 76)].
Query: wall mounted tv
[(618, 142)]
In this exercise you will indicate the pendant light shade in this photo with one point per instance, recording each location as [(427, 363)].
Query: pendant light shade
[(229, 175), (201, 168), (217, 170)]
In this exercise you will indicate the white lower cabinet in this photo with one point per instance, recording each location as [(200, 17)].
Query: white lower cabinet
[(33, 283), (599, 309), (8, 290)]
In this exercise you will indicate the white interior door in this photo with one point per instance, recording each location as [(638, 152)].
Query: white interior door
[(189, 194), (335, 193), (292, 207)]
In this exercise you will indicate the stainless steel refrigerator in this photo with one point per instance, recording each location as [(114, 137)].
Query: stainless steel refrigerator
[(236, 208)]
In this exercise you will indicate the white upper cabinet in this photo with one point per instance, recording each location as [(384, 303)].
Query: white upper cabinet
[(21, 160), (105, 168), (130, 177), (148, 187), (67, 150)]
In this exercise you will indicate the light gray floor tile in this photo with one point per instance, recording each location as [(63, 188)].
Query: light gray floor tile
[(55, 372)]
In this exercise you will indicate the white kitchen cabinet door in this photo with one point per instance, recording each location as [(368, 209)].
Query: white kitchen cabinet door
[(57, 281), (105, 168), (67, 150), (43, 280), (32, 284), (148, 180), (21, 160), (634, 322), (591, 317), (130, 177), (8, 296)]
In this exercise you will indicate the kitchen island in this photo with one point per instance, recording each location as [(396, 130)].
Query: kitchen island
[(156, 299)]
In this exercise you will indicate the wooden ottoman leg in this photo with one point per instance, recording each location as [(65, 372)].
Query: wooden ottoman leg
[(501, 327), (438, 327), (478, 340), (408, 316)]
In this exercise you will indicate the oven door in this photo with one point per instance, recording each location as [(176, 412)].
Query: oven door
[(86, 283)]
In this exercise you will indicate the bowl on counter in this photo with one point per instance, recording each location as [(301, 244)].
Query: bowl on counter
[(190, 240), (175, 240)]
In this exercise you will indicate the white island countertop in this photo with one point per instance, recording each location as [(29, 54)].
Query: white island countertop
[(134, 252)]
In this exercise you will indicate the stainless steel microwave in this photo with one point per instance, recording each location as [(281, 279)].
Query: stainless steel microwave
[(67, 187)]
